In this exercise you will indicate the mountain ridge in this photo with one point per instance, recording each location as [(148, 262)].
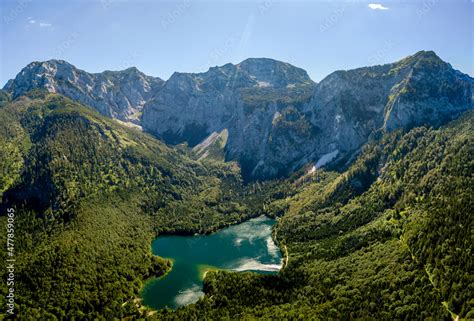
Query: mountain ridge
[(116, 94), (277, 118), (273, 132)]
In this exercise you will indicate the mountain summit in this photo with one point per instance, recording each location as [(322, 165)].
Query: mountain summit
[(117, 94)]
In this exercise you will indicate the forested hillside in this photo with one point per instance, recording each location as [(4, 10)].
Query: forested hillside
[(389, 239), (90, 195)]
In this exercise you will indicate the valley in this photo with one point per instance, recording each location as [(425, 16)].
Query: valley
[(363, 181)]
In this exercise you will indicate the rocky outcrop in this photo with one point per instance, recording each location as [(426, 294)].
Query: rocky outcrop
[(116, 94)]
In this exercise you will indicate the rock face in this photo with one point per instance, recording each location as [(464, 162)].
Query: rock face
[(347, 106), (117, 94), (278, 120), (245, 99)]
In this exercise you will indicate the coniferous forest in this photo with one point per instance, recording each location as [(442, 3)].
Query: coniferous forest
[(388, 238)]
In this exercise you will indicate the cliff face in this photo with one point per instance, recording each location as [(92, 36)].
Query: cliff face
[(243, 98), (347, 106), (432, 92), (276, 118), (117, 94)]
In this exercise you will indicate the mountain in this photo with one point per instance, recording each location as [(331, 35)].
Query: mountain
[(348, 106), (116, 94), (278, 120), (243, 99), (192, 106)]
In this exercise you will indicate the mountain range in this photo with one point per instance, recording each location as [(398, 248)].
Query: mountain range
[(276, 119)]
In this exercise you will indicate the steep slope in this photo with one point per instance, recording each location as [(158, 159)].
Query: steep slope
[(241, 98), (212, 148), (390, 239), (418, 90), (90, 195), (277, 119), (4, 98), (116, 94), (277, 123)]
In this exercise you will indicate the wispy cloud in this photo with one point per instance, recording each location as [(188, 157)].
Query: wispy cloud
[(41, 24), (377, 6)]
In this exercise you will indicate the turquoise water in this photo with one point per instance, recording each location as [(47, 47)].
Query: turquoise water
[(244, 247)]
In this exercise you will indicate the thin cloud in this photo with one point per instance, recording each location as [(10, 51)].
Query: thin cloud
[(42, 24), (377, 6)]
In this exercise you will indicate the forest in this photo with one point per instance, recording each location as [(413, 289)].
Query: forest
[(390, 238), (387, 238), (90, 195)]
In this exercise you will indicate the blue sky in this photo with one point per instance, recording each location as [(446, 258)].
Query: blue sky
[(160, 37)]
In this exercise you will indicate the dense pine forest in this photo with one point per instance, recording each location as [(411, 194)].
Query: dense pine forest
[(90, 195), (387, 238)]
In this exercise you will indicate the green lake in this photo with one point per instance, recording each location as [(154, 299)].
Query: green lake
[(244, 247)]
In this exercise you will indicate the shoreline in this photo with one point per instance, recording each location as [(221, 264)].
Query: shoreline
[(203, 269)]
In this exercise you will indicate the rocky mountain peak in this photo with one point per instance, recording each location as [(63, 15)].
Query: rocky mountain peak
[(274, 126), (424, 55), (273, 73), (117, 94), (39, 74), (252, 72)]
